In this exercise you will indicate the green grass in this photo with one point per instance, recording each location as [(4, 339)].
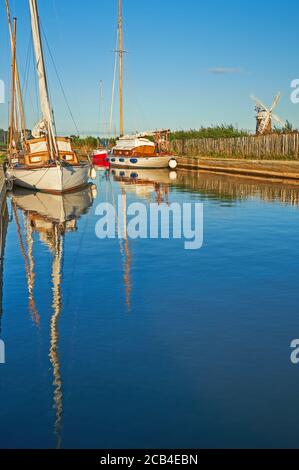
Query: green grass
[(213, 132), (88, 143)]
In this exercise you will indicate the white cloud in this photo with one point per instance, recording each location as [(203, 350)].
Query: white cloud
[(224, 70)]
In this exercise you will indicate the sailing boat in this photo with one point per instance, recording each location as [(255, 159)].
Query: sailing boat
[(137, 151), (46, 162)]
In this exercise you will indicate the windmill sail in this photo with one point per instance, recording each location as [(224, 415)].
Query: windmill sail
[(45, 104), (264, 115)]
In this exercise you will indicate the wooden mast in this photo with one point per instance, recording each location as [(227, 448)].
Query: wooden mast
[(20, 98), (101, 108), (120, 51), (13, 88)]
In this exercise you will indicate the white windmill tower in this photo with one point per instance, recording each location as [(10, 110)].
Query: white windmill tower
[(265, 116)]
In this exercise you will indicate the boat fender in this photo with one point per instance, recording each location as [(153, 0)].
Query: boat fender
[(133, 160), (93, 173), (173, 175), (94, 191), (172, 163)]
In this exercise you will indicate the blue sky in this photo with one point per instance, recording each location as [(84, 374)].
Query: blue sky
[(174, 49)]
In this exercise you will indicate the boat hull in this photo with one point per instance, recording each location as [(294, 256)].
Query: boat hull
[(157, 162), (53, 179), (99, 158)]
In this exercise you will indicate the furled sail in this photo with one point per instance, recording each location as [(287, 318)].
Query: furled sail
[(40, 129), (42, 78)]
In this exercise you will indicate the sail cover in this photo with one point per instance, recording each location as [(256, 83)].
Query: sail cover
[(40, 130), (41, 71)]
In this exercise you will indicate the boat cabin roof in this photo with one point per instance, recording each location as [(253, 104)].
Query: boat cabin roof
[(129, 143)]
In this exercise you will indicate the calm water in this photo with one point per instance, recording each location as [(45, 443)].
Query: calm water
[(144, 344)]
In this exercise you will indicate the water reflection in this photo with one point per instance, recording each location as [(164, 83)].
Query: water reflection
[(151, 185), (154, 185), (28, 261), (3, 231), (51, 217), (228, 187), (149, 341)]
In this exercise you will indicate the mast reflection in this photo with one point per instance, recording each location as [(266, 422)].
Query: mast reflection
[(3, 232), (146, 184), (51, 217)]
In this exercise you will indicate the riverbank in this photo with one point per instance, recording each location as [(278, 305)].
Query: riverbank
[(284, 170)]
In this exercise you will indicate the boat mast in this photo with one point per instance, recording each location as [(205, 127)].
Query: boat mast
[(13, 91), (120, 52), (20, 98), (46, 107), (101, 107)]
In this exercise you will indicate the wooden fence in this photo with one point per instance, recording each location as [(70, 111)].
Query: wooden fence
[(274, 146)]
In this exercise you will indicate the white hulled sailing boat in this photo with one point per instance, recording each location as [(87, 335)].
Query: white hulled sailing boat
[(138, 151), (46, 162)]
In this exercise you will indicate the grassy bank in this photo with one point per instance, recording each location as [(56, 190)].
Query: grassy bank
[(88, 144), (213, 132)]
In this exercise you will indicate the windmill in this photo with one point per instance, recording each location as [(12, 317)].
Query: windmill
[(265, 116)]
